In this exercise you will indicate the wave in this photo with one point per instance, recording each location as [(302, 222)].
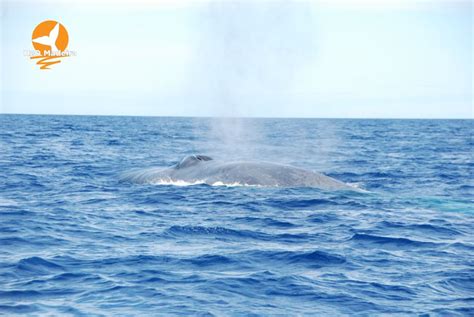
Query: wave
[(312, 259), (423, 228), (229, 234), (208, 260), (19, 309), (266, 222), (20, 295), (320, 202), (37, 265), (395, 242), (211, 231), (461, 283)]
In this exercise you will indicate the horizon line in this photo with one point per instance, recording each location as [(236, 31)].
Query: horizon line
[(236, 117)]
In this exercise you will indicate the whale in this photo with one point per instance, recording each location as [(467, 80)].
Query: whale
[(203, 169)]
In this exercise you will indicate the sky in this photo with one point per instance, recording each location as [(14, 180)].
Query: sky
[(337, 59)]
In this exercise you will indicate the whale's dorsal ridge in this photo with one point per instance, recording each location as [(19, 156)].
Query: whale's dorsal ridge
[(192, 160), (203, 157)]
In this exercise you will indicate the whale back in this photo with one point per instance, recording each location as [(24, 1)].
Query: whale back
[(192, 160), (199, 169)]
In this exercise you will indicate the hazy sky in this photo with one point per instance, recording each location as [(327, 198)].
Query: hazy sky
[(338, 58)]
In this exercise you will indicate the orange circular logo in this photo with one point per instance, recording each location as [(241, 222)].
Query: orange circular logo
[(50, 35)]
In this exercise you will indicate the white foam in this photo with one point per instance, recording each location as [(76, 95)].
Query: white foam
[(170, 182), (7, 202), (176, 183), (236, 184), (358, 186)]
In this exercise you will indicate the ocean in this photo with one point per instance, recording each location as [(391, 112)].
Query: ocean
[(75, 240)]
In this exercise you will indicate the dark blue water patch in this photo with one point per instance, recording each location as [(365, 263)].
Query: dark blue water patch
[(423, 230), (26, 295), (369, 240), (315, 258), (12, 210), (266, 222), (114, 142), (18, 309), (20, 295), (213, 232), (340, 202), (213, 260), (111, 263), (226, 234), (462, 284), (62, 279), (311, 259), (37, 264), (321, 217), (29, 242), (162, 277), (469, 247), (77, 241)]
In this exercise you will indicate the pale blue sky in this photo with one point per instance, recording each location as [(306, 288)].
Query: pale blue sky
[(392, 58)]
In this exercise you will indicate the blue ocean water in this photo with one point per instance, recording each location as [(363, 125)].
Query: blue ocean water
[(76, 241)]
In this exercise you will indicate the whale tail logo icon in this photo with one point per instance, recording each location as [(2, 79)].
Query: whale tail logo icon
[(50, 39)]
